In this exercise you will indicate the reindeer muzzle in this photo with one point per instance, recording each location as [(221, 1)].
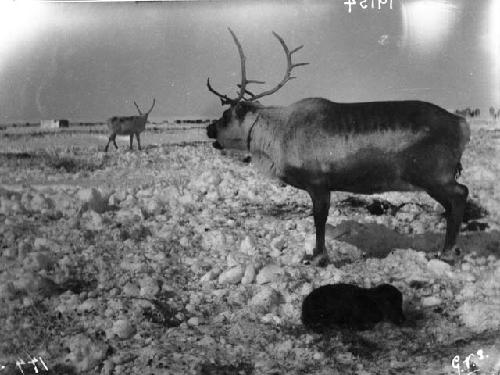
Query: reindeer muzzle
[(211, 131)]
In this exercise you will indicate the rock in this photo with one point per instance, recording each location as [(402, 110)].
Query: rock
[(247, 246), (418, 228), (480, 316), (249, 274), (212, 195), (343, 251), (431, 301), (63, 202), (39, 260), (266, 300), (231, 276), (107, 368), (7, 291), (271, 319), (466, 267), (41, 286), (23, 281), (88, 305), (92, 221), (42, 244), (186, 199), (153, 206), (231, 260), (438, 267), (309, 244), (210, 275), (236, 258), (10, 253), (269, 273), (305, 289), (84, 354), (39, 203), (114, 200), (10, 207), (149, 287), (213, 240), (95, 201), (193, 322), (406, 217), (207, 341), (123, 329), (278, 244), (131, 289), (23, 249), (184, 241), (129, 215)]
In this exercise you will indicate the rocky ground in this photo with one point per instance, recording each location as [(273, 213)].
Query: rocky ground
[(179, 260)]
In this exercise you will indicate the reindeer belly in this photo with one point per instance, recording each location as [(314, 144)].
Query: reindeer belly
[(124, 129), (369, 171), (358, 163)]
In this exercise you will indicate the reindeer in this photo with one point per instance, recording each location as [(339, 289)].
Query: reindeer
[(321, 146), (493, 113), (123, 125)]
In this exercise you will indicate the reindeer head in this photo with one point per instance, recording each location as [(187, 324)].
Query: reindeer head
[(233, 128)]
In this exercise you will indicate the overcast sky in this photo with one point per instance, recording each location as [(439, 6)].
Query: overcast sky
[(90, 61)]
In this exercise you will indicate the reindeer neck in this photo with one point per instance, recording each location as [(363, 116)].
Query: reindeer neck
[(265, 138)]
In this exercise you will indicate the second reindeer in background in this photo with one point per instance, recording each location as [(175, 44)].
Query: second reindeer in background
[(128, 125)]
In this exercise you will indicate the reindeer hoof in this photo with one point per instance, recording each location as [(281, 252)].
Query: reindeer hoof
[(320, 260), (450, 256)]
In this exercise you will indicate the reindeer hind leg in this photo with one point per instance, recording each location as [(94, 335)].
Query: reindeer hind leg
[(437, 176), (112, 138), (452, 197), (131, 140)]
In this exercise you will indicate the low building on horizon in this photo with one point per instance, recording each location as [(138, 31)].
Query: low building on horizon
[(54, 124)]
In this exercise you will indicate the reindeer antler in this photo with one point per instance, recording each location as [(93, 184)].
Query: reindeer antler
[(289, 68), (138, 109), (244, 81), (224, 98), (154, 102), (148, 112)]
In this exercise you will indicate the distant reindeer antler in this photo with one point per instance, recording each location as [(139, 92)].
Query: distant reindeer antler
[(138, 109), (244, 81), (154, 102), (148, 112)]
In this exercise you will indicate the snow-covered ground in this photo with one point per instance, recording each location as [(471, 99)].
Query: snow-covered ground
[(180, 260)]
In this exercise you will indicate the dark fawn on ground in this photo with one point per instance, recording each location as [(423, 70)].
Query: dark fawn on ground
[(128, 125), (320, 146), (349, 306)]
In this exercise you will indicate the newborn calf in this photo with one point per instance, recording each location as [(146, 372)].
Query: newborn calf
[(349, 306)]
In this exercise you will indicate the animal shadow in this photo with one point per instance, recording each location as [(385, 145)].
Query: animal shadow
[(377, 240)]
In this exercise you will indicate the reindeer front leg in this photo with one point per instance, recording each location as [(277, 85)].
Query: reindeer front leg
[(321, 206), (138, 140), (131, 140)]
